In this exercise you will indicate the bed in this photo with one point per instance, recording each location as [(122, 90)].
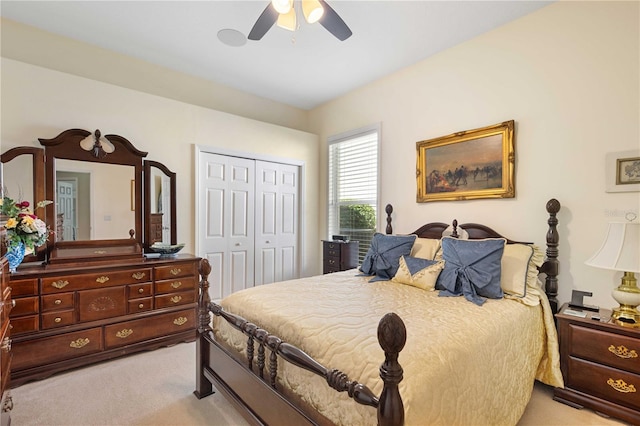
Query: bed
[(388, 346)]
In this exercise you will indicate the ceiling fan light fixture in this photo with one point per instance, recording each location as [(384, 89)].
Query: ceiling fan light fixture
[(312, 10), (287, 20), (282, 6)]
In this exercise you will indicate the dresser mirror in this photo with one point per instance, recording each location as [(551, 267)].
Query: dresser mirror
[(159, 204), (106, 196), (23, 180)]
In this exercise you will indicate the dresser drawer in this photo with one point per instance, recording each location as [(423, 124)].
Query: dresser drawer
[(51, 349), (27, 287), (608, 383), (125, 333), (173, 299), (25, 306), (95, 280), (613, 350), (57, 319), (25, 324), (140, 290), (140, 305), (179, 284), (57, 301), (175, 271), (102, 303)]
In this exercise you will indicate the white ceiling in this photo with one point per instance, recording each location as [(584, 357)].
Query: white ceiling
[(304, 68)]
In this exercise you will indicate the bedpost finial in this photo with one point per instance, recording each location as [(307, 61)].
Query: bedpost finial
[(204, 267), (392, 333), (553, 206)]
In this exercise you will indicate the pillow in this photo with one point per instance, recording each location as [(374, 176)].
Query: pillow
[(383, 257), (472, 269), (425, 248), (418, 272), (520, 264)]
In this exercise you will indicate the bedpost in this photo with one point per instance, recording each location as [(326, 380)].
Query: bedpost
[(203, 385), (392, 335), (551, 264), (389, 209)]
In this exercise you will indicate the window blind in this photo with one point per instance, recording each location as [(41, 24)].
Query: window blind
[(353, 187)]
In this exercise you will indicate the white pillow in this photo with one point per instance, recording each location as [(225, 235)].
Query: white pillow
[(425, 248), (519, 265)]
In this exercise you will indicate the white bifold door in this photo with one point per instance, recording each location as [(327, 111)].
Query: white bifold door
[(248, 221)]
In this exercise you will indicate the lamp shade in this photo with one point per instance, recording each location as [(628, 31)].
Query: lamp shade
[(282, 6), (312, 10), (287, 20), (620, 250)]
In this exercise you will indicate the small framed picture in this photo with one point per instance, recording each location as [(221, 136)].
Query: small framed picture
[(623, 171)]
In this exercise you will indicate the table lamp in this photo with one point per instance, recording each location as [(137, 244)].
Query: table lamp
[(620, 251)]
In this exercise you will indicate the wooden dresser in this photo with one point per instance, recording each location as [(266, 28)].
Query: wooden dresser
[(6, 403), (600, 364), (67, 317), (339, 256)]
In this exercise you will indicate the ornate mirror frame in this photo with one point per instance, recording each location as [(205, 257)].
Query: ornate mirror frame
[(37, 168), (148, 211), (67, 145)]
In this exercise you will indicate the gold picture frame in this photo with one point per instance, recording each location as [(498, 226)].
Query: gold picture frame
[(623, 171), (467, 165)]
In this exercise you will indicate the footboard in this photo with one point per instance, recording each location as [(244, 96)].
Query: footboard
[(251, 385)]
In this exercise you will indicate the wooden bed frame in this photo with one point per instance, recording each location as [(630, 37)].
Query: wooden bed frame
[(250, 384)]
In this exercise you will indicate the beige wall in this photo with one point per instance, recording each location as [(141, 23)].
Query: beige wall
[(568, 75), (40, 103)]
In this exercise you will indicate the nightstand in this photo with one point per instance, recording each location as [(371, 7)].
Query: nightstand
[(600, 363), (339, 256)]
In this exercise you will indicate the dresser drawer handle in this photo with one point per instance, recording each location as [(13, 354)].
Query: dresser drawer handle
[(176, 284), (332, 262), (80, 343), (6, 344), (60, 284), (102, 279), (57, 319), (124, 333), (141, 290), (622, 352), (13, 303), (140, 306), (180, 321), (176, 299), (331, 246), (621, 386), (138, 275), (175, 271), (57, 302)]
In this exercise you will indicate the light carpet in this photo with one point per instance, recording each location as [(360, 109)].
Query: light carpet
[(156, 388)]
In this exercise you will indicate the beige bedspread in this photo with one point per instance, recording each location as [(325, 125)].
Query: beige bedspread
[(463, 364)]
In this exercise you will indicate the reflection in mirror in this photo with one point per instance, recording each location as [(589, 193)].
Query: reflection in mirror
[(93, 200), (160, 189), (17, 182)]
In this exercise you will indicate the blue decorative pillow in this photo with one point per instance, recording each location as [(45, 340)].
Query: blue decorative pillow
[(472, 269), (383, 257)]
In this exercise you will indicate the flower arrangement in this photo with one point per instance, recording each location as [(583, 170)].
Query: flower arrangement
[(22, 225)]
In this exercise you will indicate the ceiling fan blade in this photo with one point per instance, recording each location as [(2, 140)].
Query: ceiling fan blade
[(334, 23), (265, 21)]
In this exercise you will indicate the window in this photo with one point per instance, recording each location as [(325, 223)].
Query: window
[(353, 186)]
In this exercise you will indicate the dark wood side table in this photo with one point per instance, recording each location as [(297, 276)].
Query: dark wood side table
[(600, 363), (339, 256)]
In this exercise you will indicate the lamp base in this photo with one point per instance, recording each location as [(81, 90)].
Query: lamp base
[(626, 317), (627, 294)]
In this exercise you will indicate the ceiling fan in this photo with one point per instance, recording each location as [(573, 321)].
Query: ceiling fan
[(283, 12)]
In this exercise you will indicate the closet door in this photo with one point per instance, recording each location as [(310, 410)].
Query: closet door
[(276, 236), (226, 216)]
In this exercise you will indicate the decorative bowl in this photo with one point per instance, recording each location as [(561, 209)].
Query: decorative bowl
[(166, 249)]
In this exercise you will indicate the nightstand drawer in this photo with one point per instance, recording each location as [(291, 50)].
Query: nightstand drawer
[(606, 348), (608, 383)]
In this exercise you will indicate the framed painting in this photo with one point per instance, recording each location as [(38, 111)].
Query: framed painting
[(467, 165), (623, 171)]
